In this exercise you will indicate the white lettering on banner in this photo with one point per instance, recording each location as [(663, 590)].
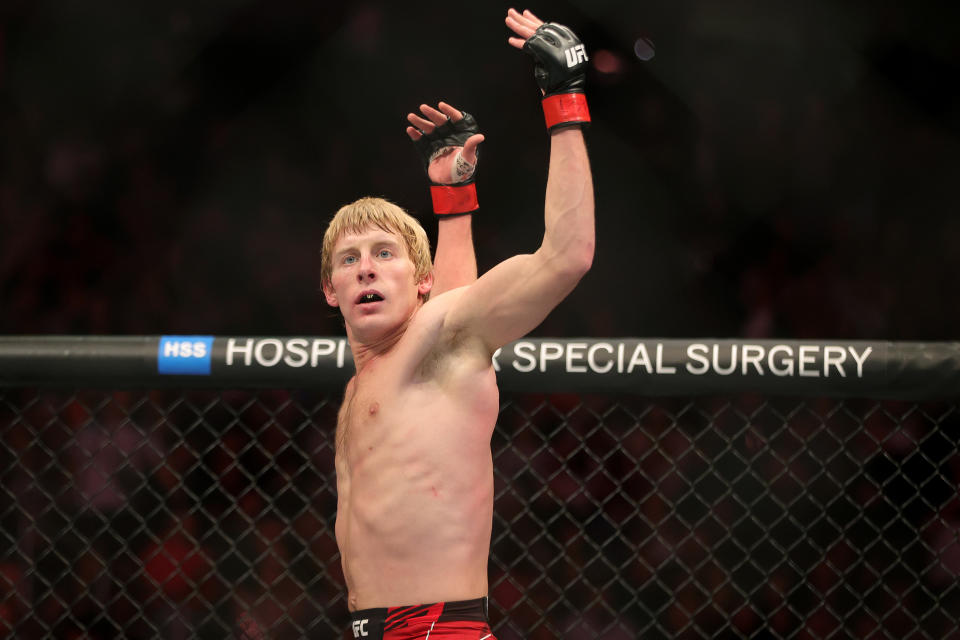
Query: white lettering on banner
[(833, 355), (722, 359), (246, 350), (525, 350), (549, 351), (694, 353), (806, 357), (572, 349), (321, 348), (660, 366), (781, 360), (716, 360), (294, 352), (591, 357), (751, 354), (640, 358), (788, 360), (860, 361), (184, 349), (260, 348)]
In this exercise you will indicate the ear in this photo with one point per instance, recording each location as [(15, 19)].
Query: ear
[(425, 285), (330, 294)]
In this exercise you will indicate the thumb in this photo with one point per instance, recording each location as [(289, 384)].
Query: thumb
[(470, 148)]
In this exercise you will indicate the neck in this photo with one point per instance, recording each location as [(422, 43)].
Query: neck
[(366, 349)]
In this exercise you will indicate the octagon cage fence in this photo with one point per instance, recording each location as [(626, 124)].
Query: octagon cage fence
[(184, 487)]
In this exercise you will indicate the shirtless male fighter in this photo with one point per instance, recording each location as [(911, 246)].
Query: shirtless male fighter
[(413, 460)]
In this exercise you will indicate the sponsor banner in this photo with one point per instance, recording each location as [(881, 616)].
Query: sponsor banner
[(645, 366), (895, 370)]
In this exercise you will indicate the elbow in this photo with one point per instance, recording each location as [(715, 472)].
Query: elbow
[(577, 260), (581, 256), (585, 258)]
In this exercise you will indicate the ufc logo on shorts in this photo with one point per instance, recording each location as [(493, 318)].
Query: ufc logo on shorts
[(575, 55), (360, 628)]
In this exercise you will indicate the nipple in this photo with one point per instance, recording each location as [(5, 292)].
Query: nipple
[(374, 408)]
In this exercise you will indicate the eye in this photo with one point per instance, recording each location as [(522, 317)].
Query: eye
[(349, 259), (385, 253)]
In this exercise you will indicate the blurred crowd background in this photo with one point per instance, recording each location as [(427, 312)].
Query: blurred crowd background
[(777, 169)]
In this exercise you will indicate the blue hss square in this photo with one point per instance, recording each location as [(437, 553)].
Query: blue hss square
[(184, 355)]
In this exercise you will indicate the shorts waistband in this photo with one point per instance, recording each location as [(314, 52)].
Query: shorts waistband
[(372, 623)]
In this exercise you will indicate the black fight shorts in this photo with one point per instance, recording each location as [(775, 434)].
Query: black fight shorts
[(464, 620)]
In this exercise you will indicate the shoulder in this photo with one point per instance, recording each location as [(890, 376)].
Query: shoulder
[(435, 311), (432, 336)]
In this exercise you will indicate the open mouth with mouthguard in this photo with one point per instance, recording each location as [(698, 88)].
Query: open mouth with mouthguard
[(369, 296)]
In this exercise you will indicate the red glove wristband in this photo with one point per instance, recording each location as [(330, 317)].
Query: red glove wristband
[(565, 108), (454, 199)]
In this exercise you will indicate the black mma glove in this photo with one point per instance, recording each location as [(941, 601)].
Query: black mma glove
[(560, 69), (460, 197)]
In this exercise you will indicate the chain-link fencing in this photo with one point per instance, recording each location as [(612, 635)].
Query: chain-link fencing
[(209, 514)]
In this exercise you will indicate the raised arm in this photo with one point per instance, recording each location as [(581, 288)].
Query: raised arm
[(448, 145), (454, 262), (516, 295)]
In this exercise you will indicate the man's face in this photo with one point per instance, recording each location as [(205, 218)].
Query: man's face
[(373, 284)]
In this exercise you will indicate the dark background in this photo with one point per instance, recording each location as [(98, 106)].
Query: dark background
[(778, 169)]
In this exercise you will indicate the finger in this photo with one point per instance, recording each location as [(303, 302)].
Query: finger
[(523, 27), (470, 148), (520, 29), (414, 133), (420, 123), (525, 20), (451, 112), (529, 16), (516, 42), (435, 116)]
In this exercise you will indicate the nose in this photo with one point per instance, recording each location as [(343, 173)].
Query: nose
[(366, 271)]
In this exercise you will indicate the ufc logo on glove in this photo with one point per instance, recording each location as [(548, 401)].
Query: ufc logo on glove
[(575, 55)]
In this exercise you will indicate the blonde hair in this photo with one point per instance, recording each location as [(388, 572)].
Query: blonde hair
[(358, 216)]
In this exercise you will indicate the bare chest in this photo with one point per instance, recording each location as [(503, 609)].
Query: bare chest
[(376, 405), (358, 414)]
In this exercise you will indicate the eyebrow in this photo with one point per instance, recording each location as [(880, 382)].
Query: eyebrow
[(390, 241)]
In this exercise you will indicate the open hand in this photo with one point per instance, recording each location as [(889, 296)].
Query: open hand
[(522, 24), (444, 167)]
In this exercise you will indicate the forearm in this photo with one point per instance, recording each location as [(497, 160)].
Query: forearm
[(568, 211), (455, 263)]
